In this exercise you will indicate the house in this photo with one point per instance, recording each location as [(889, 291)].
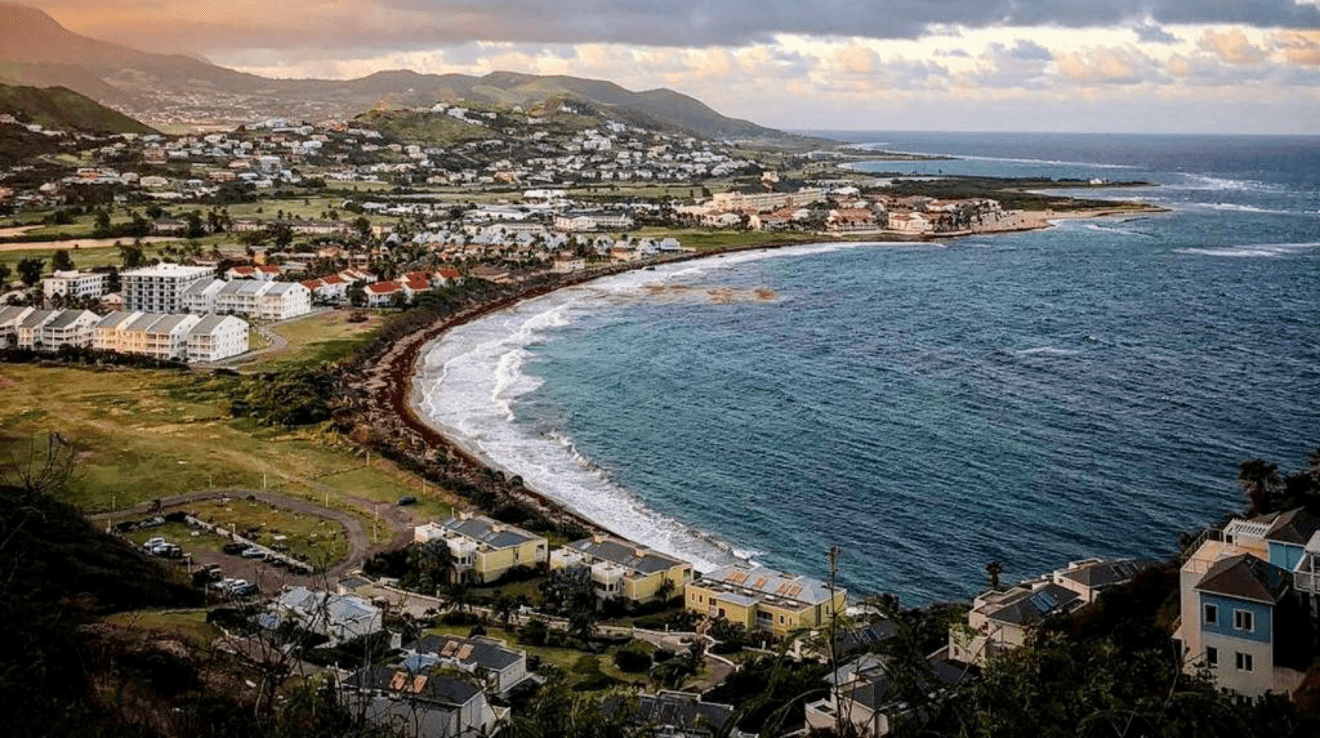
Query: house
[(498, 275), (625, 570), (75, 284), (160, 289), (910, 223), (163, 337), (28, 329), (1243, 590), (418, 705), (1000, 619), (484, 549), (383, 294), (217, 337), (1089, 577), (338, 617), (10, 317), (678, 715), (69, 328), (859, 692), (760, 598), (498, 666), (850, 220)]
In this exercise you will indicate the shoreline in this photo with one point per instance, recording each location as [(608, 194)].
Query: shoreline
[(401, 362)]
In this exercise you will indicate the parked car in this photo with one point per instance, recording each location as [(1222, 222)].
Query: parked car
[(407, 500), (252, 552), (234, 548)]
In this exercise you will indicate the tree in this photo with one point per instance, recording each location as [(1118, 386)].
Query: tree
[(196, 228), (994, 569), (1260, 480), (5, 274), (29, 270), (131, 255), (362, 226), (357, 294), (102, 227), (60, 261)]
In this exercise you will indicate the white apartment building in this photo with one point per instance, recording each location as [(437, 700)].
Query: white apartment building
[(69, 328), (252, 298), (10, 317), (28, 329), (75, 284), (161, 288), (217, 337)]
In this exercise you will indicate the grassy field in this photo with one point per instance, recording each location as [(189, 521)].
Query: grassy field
[(314, 339), (144, 435), (83, 258), (309, 537), (190, 625), (702, 239)]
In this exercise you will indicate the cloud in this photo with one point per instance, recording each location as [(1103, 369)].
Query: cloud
[(1030, 50), (1302, 48), (174, 24), (952, 53), (1153, 34), (1108, 66), (1231, 45)]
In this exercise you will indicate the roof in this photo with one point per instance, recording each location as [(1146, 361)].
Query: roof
[(770, 582), (681, 710), (8, 314), (1032, 605), (67, 318), (37, 318), (210, 323), (637, 558), (1294, 526), (1246, 577), (487, 531), (866, 636), (114, 319), (423, 687), (1109, 572), (481, 652), (384, 288)]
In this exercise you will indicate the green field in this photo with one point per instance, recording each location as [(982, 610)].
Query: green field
[(143, 435), (317, 338)]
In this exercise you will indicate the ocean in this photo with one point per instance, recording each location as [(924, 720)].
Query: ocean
[(1033, 398)]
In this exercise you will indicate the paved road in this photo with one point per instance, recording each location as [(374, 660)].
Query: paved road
[(359, 541)]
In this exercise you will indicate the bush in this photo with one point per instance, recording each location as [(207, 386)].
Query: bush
[(633, 659)]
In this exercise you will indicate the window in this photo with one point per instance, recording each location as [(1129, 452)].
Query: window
[(1212, 656), (1243, 661), (1211, 615), (1244, 620)]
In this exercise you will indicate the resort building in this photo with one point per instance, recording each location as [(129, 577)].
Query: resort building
[(1245, 591), (75, 284), (67, 328), (499, 667), (251, 298), (171, 337), (160, 289), (10, 317), (764, 599), (625, 570), (217, 337), (483, 549)]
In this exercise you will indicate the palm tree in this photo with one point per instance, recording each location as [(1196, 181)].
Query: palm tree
[(994, 569), (1259, 480)]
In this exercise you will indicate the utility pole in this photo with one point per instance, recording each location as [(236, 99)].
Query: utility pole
[(840, 714)]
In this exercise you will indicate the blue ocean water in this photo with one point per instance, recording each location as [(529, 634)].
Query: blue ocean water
[(1029, 398)]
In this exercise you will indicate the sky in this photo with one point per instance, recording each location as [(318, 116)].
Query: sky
[(1213, 66)]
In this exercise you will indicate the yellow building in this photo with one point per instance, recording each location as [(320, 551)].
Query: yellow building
[(624, 570), (484, 549), (764, 599)]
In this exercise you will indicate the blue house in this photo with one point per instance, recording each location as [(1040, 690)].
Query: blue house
[(1236, 623)]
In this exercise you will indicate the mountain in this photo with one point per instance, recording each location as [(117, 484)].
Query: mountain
[(176, 90), (64, 109)]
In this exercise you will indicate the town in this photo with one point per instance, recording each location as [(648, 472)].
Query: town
[(239, 258)]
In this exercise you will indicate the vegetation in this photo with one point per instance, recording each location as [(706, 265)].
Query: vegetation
[(62, 108)]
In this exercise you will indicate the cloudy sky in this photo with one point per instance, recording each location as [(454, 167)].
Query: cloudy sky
[(1224, 66)]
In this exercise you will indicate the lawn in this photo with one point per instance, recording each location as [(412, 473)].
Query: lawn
[(317, 338), (308, 537), (563, 658), (143, 435), (190, 625), (83, 258), (702, 239)]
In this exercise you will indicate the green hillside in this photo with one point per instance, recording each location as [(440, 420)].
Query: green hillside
[(62, 108)]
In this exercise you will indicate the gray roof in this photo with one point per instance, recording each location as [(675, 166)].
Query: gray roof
[(770, 582), (479, 652), (202, 287), (484, 530), (37, 318), (67, 318), (1033, 605), (210, 323), (864, 637), (8, 314), (1246, 577), (625, 555), (279, 288), (1110, 572), (1294, 526), (432, 688), (680, 710), (114, 319), (167, 323)]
